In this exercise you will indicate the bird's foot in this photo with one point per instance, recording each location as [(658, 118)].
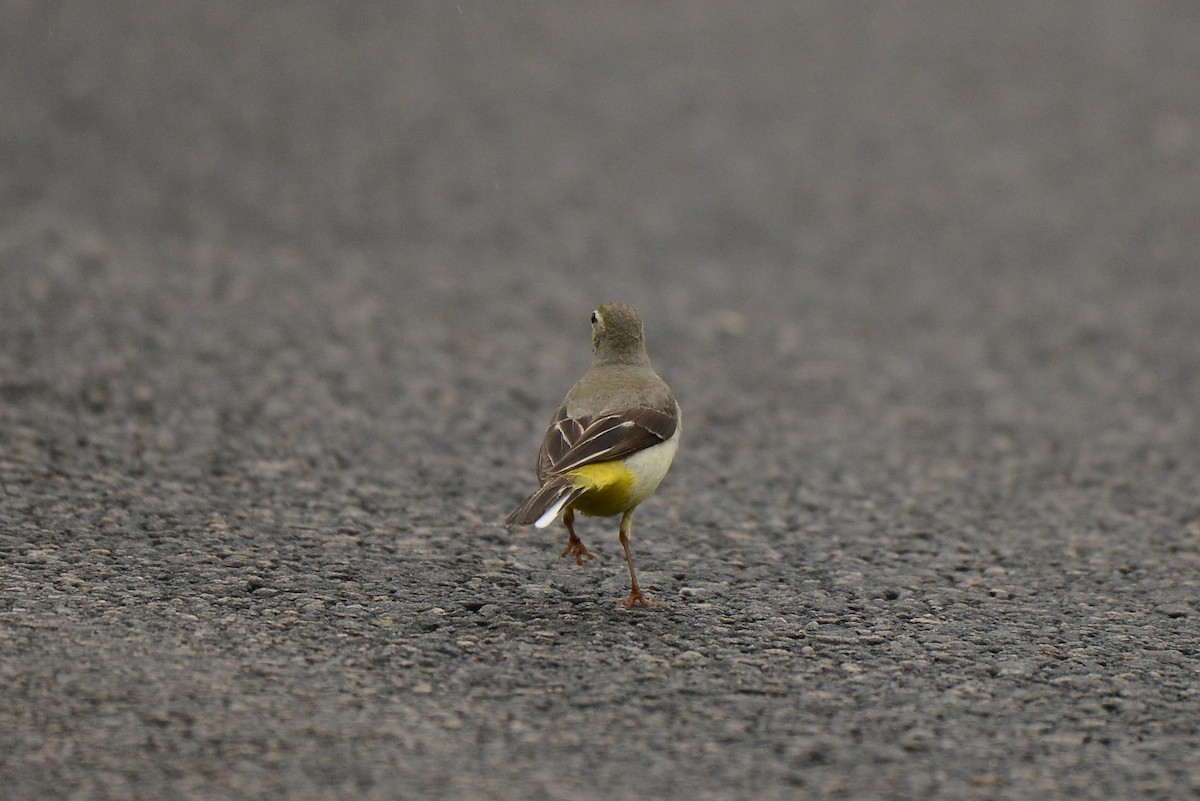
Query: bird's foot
[(638, 598), (577, 549)]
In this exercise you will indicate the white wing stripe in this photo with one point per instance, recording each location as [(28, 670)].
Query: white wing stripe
[(551, 514), (588, 459)]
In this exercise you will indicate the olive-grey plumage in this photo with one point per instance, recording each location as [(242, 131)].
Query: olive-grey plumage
[(619, 409)]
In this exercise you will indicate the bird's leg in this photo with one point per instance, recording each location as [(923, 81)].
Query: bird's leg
[(575, 546), (635, 592)]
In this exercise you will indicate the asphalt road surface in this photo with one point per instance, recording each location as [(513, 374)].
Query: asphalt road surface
[(288, 292)]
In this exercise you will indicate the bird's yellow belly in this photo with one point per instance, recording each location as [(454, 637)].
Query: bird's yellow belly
[(618, 486), (609, 487)]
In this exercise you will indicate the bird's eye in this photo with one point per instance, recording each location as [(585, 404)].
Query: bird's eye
[(595, 319)]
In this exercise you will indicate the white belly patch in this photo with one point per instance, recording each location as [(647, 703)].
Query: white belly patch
[(649, 467)]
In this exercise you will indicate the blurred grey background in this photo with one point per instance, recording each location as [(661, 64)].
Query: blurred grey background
[(289, 290)]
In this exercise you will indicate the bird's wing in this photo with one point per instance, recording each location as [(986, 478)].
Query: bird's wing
[(575, 442), (563, 431)]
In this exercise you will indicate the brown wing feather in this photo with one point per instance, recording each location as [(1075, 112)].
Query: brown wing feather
[(572, 443), (562, 433)]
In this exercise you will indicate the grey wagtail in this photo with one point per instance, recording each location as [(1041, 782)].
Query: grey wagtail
[(610, 442)]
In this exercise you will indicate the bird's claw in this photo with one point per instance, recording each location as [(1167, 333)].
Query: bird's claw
[(578, 550), (638, 598)]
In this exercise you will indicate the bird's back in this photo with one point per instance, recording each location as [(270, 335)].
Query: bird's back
[(618, 386)]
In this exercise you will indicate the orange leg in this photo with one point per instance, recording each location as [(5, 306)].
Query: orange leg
[(636, 596), (575, 546)]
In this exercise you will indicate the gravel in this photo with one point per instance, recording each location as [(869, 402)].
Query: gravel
[(288, 293)]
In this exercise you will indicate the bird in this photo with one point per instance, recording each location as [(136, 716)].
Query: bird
[(610, 443)]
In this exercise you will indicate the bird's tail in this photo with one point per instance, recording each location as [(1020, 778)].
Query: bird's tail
[(544, 506)]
